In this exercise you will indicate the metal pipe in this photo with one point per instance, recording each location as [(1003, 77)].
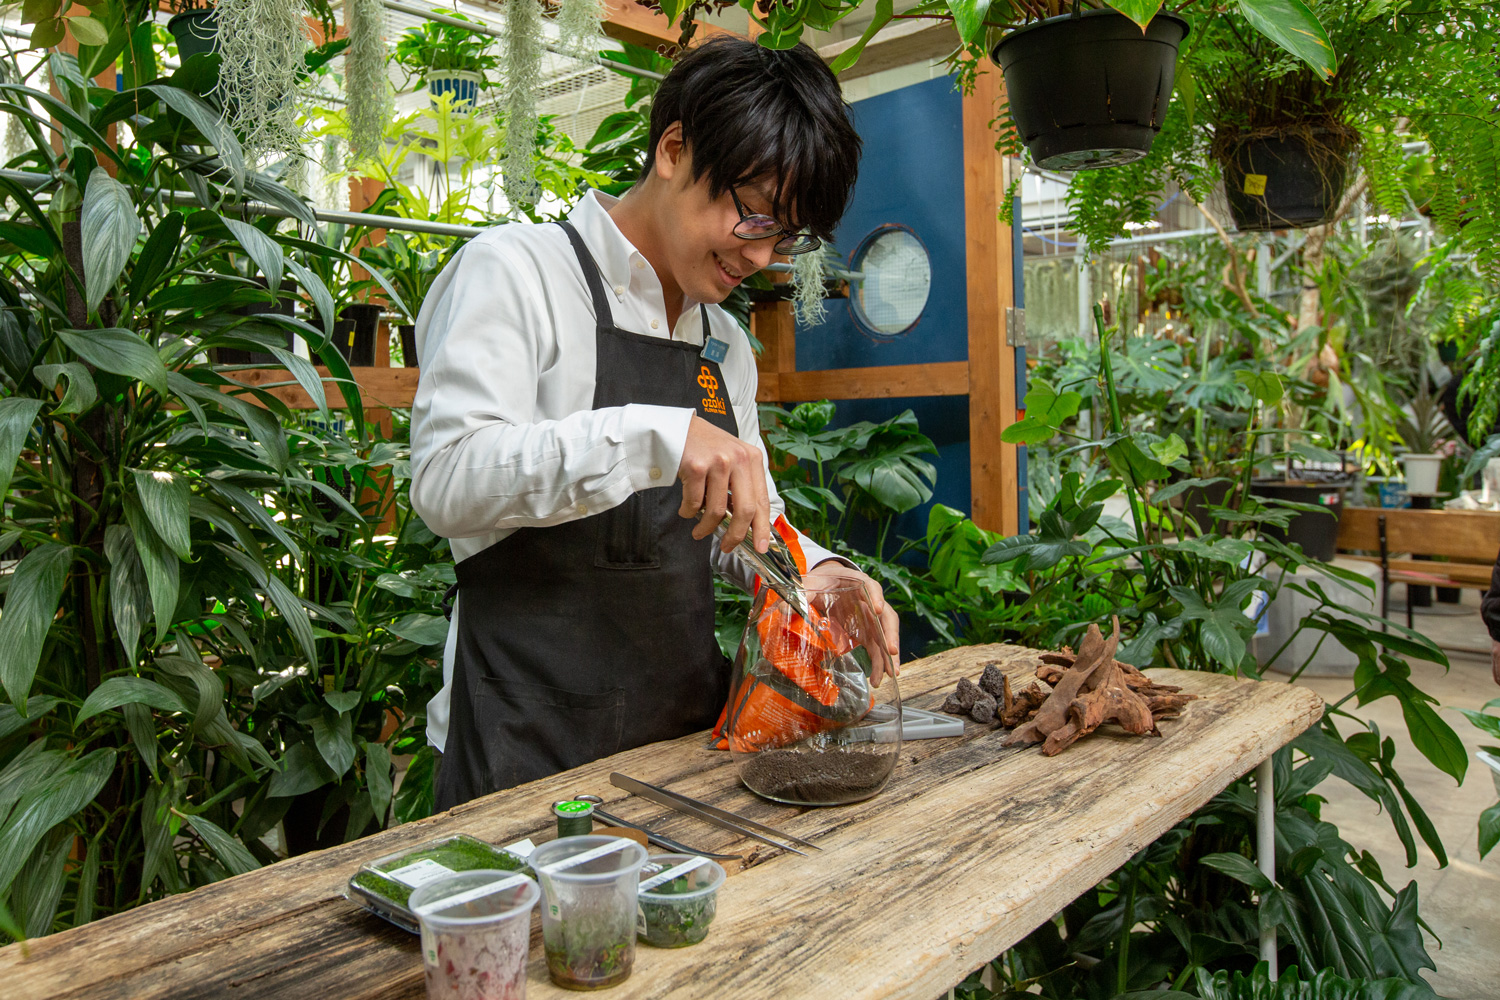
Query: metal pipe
[(1265, 848), (482, 28)]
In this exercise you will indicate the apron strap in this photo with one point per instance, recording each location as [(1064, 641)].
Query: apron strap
[(602, 314)]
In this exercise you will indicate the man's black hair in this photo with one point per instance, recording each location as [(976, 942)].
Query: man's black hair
[(749, 112)]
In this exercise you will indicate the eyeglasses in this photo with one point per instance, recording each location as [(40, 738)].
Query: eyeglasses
[(760, 227)]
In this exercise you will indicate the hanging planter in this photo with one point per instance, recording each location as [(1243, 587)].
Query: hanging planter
[(1290, 179), (196, 32), (1090, 90), (462, 86)]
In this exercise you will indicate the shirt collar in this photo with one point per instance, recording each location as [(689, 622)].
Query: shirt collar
[(614, 254)]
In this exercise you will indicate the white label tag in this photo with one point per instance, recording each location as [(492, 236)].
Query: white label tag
[(469, 895), (521, 848), (418, 872), (617, 844), (672, 873)]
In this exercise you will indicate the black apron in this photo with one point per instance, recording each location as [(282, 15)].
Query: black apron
[(588, 638)]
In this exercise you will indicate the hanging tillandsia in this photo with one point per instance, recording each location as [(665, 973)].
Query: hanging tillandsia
[(808, 271), (523, 71), (580, 27), (333, 182), (262, 47), (371, 105)]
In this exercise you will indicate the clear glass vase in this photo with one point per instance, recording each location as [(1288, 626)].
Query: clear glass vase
[(814, 714)]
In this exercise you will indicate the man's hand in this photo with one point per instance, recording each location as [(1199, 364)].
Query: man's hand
[(1495, 660), (834, 573), (721, 474)]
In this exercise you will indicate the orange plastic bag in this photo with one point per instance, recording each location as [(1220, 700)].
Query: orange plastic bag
[(783, 690)]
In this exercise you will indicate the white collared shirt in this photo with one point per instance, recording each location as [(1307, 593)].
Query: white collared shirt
[(503, 433)]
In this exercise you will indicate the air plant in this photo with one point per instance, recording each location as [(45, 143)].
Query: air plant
[(369, 92), (523, 69), (262, 47), (580, 24), (807, 282)]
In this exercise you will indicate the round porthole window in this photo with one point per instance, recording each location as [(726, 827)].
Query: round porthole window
[(897, 276)]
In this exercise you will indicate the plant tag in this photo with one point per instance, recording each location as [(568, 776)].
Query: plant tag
[(418, 872), (469, 895), (677, 871), (715, 350), (619, 843), (1255, 184), (521, 848)]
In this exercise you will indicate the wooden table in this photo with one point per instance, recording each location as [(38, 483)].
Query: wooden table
[(968, 849)]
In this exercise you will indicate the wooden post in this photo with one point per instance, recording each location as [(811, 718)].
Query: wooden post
[(992, 376)]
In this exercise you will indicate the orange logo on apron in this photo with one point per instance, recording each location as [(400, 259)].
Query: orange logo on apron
[(710, 403)]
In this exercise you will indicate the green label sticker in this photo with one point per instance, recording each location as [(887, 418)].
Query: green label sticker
[(1255, 184), (573, 808)]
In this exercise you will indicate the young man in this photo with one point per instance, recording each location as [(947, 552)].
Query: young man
[(572, 376)]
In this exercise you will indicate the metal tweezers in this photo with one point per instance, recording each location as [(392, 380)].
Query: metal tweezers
[(709, 814)]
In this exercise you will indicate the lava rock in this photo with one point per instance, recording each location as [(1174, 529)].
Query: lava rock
[(967, 693), (983, 709), (992, 682)]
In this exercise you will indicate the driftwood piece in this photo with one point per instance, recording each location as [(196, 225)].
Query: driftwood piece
[(1094, 652), (1024, 705), (1107, 699)]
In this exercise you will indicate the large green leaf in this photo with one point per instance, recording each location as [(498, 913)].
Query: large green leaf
[(1139, 11), (163, 568), (110, 228), (1238, 867), (1489, 829), (47, 803), (129, 593), (17, 416), (254, 509), (79, 390), (302, 770), (885, 10), (333, 734), (286, 602), (36, 586), (118, 351), (306, 375), (117, 691), (12, 720), (1291, 25), (230, 852), (378, 779), (207, 121), (164, 497), (968, 17), (424, 630), (151, 263), (261, 248)]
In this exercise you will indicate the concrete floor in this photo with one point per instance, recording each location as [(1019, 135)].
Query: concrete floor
[(1461, 901)]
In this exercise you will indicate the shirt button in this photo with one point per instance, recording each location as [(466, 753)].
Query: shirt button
[(619, 289), (654, 324), (640, 264), (583, 509), (655, 472)]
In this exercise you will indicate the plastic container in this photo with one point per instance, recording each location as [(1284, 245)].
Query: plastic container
[(677, 909), (476, 931), (589, 918), (814, 712), (462, 84), (1280, 182), (385, 885)]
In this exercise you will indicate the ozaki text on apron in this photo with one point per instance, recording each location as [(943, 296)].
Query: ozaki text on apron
[(584, 639)]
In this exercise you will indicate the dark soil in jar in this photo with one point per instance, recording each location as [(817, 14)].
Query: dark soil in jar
[(831, 776)]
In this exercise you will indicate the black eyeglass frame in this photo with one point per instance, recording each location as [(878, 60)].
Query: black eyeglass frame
[(790, 244)]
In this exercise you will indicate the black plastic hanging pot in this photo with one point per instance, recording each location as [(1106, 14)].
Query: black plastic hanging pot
[(1289, 181), (1090, 90), (359, 349), (408, 332), (196, 33), (1317, 532), (285, 305)]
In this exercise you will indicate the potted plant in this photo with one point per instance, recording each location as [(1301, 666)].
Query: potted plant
[(1422, 427), (447, 59), (1087, 83), (412, 270)]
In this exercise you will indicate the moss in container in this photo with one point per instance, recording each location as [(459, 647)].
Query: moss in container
[(677, 912), (384, 886)]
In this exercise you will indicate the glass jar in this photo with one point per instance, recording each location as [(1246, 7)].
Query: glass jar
[(814, 711)]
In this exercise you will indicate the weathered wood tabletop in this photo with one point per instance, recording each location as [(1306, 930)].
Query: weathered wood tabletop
[(968, 849)]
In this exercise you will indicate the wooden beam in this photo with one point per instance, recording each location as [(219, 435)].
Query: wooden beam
[(899, 44), (628, 21), (944, 378), (391, 388), (992, 364)]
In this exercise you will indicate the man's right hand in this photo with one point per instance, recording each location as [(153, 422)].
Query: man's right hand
[(721, 474)]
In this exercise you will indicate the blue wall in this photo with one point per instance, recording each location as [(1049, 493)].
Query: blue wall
[(911, 175)]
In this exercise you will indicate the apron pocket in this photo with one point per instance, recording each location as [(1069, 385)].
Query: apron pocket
[(628, 535), (535, 730)]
